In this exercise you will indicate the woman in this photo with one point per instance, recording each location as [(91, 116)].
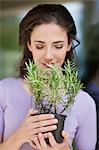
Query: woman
[(46, 35)]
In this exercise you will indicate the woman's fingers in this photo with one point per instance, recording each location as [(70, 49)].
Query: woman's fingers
[(36, 141), (32, 112), (42, 145), (34, 116), (44, 129), (45, 135), (41, 117), (65, 135), (52, 140), (42, 141), (40, 123), (45, 123), (65, 141), (32, 144)]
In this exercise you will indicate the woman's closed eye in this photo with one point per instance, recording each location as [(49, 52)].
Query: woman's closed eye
[(40, 46), (58, 46)]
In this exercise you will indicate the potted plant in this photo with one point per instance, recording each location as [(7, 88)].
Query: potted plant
[(54, 89)]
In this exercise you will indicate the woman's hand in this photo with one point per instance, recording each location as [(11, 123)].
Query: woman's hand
[(34, 124), (42, 145)]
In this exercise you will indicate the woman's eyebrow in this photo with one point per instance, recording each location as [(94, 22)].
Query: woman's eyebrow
[(59, 42), (39, 41), (53, 42)]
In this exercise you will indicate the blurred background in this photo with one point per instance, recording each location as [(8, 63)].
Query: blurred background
[(84, 12)]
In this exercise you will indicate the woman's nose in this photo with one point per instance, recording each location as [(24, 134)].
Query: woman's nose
[(49, 54)]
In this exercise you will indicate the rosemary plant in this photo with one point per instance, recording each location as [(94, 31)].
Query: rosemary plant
[(54, 88)]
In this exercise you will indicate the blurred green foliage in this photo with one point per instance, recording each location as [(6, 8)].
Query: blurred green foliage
[(9, 49), (9, 33)]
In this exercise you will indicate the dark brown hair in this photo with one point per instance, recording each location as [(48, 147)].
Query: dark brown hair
[(45, 13)]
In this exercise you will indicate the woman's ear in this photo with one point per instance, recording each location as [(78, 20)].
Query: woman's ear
[(69, 46), (29, 46)]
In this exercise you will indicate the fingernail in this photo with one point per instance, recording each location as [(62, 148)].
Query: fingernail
[(55, 127), (52, 116), (56, 121)]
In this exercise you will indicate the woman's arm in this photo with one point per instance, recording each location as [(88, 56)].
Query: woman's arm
[(86, 134), (10, 143)]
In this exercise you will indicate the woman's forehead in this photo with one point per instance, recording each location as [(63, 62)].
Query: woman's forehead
[(51, 25), (50, 30)]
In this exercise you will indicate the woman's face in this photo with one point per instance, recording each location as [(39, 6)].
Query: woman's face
[(48, 44)]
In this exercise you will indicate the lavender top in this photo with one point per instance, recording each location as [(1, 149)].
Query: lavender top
[(15, 103)]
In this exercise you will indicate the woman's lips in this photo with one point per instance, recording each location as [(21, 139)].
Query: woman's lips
[(47, 65)]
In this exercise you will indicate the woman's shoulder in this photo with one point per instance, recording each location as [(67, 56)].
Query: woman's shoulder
[(8, 86), (83, 97), (9, 81)]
